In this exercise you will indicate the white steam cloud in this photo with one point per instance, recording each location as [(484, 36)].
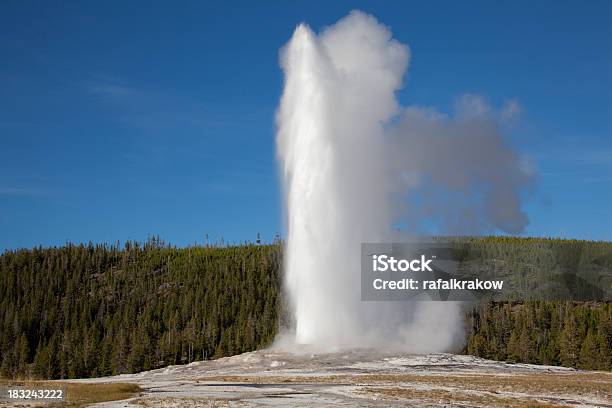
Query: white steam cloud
[(357, 166)]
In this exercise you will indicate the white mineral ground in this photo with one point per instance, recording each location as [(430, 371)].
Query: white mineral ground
[(363, 378)]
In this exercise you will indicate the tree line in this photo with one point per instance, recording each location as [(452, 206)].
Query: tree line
[(97, 310)]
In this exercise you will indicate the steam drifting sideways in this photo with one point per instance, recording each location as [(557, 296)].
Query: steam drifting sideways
[(356, 165)]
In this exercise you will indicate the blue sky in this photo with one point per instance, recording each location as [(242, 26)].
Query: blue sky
[(124, 119)]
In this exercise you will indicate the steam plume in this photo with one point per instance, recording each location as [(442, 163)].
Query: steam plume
[(355, 165)]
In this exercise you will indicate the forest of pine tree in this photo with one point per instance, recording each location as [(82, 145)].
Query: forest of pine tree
[(96, 310), (554, 333)]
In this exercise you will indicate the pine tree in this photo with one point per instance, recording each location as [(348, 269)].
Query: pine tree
[(589, 352), (569, 345), (21, 356)]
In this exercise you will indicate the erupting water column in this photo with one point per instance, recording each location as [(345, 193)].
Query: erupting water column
[(338, 95)]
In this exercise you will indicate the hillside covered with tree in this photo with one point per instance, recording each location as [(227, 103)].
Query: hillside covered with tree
[(95, 310), (554, 333)]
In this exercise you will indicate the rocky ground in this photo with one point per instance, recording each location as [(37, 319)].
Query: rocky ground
[(363, 378)]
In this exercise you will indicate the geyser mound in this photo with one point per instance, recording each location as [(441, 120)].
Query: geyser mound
[(350, 158)]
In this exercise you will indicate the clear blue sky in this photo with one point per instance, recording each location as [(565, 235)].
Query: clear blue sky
[(124, 119)]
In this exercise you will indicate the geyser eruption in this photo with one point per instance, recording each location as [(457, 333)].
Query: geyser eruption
[(351, 159)]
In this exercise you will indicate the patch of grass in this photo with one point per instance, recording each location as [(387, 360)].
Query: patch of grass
[(80, 394), (541, 383)]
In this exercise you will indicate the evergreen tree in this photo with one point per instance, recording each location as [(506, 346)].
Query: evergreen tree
[(569, 342)]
